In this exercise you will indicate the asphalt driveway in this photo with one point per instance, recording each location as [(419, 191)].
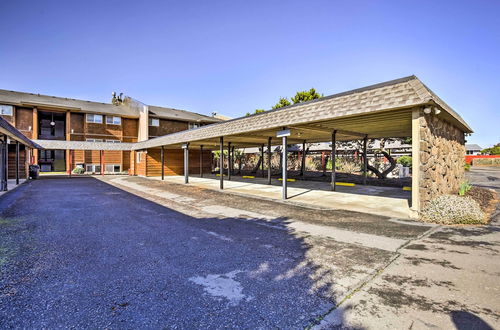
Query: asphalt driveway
[(82, 253), (129, 252)]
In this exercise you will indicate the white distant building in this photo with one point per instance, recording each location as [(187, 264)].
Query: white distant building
[(472, 149)]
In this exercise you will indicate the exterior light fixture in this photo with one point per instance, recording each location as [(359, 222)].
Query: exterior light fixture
[(437, 111), (427, 110)]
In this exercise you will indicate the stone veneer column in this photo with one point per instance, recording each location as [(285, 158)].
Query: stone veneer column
[(442, 152)]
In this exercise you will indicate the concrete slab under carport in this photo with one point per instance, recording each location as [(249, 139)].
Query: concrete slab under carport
[(386, 201), (11, 184)]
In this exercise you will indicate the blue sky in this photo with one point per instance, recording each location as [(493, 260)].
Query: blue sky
[(235, 56)]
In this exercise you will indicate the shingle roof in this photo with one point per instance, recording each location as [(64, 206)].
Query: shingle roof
[(82, 145), (473, 147), (30, 99), (401, 93), (176, 114), (13, 133)]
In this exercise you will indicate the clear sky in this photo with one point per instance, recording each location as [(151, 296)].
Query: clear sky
[(235, 56)]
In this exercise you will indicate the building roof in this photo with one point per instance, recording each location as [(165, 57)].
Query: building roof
[(83, 145), (393, 98), (183, 115), (54, 102), (12, 132), (473, 147)]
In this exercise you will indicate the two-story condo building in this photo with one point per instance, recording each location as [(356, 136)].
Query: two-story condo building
[(42, 117)]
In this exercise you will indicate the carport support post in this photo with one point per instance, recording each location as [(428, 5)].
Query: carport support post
[(221, 163), (70, 159), (229, 158), (232, 159), (162, 154), (201, 161), (365, 158), (186, 162), (102, 162), (334, 155), (17, 162), (269, 160), (3, 165), (284, 167), (262, 159), (303, 158)]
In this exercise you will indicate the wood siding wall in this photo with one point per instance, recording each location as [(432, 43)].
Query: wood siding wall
[(167, 127), (174, 162), (12, 162)]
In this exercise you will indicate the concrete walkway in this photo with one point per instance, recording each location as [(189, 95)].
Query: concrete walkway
[(11, 184), (368, 199)]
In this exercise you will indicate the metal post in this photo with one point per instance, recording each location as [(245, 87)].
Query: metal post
[(262, 159), (162, 155), (284, 167), (3, 164), (201, 161), (269, 160), (186, 162), (229, 158), (365, 158), (221, 163), (70, 159), (17, 162), (334, 155), (232, 160), (102, 162), (303, 159)]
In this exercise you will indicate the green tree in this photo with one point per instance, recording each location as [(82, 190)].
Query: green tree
[(256, 111), (283, 102), (495, 150), (305, 96)]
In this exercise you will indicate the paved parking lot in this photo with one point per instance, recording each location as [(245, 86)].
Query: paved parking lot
[(128, 252)]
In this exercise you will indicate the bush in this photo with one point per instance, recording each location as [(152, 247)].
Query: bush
[(405, 161), (467, 167), (464, 188), (78, 170), (450, 209)]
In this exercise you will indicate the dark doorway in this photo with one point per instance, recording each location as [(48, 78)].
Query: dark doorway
[(52, 161), (52, 125)]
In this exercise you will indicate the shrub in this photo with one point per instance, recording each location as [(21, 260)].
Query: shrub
[(464, 188), (78, 170), (405, 161), (450, 209), (467, 167)]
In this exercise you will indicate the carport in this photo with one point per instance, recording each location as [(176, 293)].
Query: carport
[(15, 153), (400, 108)]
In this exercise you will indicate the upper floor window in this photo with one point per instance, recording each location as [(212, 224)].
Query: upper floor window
[(94, 140), (113, 141), (194, 125), (113, 120), (97, 119), (154, 122), (6, 110)]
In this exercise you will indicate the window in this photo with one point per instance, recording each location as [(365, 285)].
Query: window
[(6, 110), (194, 125), (154, 122), (112, 168), (93, 168), (96, 119), (113, 120), (94, 140), (113, 141), (139, 157)]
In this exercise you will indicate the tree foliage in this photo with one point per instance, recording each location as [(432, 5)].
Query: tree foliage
[(495, 150), (283, 102), (304, 96)]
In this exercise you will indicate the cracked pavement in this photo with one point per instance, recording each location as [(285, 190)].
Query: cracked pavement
[(128, 252)]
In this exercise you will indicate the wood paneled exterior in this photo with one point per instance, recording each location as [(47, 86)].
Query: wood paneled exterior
[(167, 127), (174, 162), (11, 167), (76, 128)]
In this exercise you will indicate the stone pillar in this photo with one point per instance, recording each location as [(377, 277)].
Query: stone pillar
[(441, 157)]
